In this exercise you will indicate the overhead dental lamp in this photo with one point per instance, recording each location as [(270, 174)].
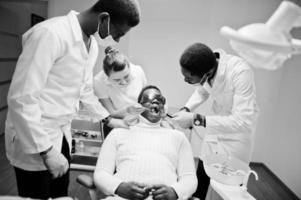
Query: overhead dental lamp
[(268, 45)]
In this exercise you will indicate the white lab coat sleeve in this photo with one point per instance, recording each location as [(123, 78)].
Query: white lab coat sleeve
[(187, 180), (197, 98), (41, 48), (104, 178), (243, 113), (90, 101), (100, 88)]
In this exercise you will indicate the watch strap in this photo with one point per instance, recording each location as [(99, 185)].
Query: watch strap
[(106, 120)]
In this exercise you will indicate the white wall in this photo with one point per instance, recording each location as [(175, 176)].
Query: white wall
[(169, 26)]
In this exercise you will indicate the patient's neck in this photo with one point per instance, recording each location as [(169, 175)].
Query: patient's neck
[(143, 122)]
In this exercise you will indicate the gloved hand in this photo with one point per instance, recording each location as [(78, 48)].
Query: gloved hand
[(183, 119), (136, 109), (163, 192), (56, 163), (131, 119), (117, 123), (132, 190)]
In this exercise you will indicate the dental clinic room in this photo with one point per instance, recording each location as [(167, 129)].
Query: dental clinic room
[(150, 99)]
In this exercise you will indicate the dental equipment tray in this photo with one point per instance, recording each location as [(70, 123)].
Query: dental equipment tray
[(87, 138)]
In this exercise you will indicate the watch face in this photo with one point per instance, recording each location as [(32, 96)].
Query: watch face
[(197, 122)]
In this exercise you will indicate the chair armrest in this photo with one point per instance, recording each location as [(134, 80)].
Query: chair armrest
[(86, 181)]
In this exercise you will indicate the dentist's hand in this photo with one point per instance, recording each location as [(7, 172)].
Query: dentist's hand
[(132, 190), (136, 109), (55, 162), (183, 119), (131, 119), (117, 123), (163, 192)]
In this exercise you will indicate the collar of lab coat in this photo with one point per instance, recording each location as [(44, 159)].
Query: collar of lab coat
[(75, 26), (221, 69)]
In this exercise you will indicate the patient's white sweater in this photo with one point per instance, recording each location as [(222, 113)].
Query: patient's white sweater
[(149, 154)]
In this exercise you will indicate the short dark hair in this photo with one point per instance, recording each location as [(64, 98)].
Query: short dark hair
[(198, 59), (120, 11), (147, 88), (114, 61)]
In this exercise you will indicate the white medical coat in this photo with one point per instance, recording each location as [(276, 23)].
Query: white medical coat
[(230, 127), (53, 73)]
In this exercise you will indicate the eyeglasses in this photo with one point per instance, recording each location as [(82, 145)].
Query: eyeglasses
[(149, 99)]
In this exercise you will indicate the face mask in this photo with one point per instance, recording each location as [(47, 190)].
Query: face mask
[(207, 87), (118, 85), (201, 82), (124, 83), (107, 41)]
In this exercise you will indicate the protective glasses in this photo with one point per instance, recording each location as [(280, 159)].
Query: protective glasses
[(152, 98)]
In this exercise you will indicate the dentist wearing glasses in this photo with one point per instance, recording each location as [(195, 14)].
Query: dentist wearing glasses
[(230, 127)]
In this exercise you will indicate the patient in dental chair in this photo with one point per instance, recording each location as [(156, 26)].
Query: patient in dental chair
[(146, 161)]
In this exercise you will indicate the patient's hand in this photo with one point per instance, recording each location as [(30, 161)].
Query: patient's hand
[(132, 190), (163, 192), (135, 109)]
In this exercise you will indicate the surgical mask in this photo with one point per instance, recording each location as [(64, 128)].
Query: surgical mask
[(125, 82), (107, 41), (207, 87), (204, 83), (118, 85)]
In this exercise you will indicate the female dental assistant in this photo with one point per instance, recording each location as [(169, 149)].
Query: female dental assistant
[(119, 85), (229, 81)]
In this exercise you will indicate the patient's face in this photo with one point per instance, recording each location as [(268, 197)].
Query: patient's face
[(154, 103)]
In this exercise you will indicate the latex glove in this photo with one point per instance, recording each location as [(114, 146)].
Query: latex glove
[(132, 190), (163, 192), (135, 109), (183, 119), (56, 163), (117, 123), (131, 119)]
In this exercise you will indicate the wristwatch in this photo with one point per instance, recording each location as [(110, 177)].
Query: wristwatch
[(106, 120), (199, 120)]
